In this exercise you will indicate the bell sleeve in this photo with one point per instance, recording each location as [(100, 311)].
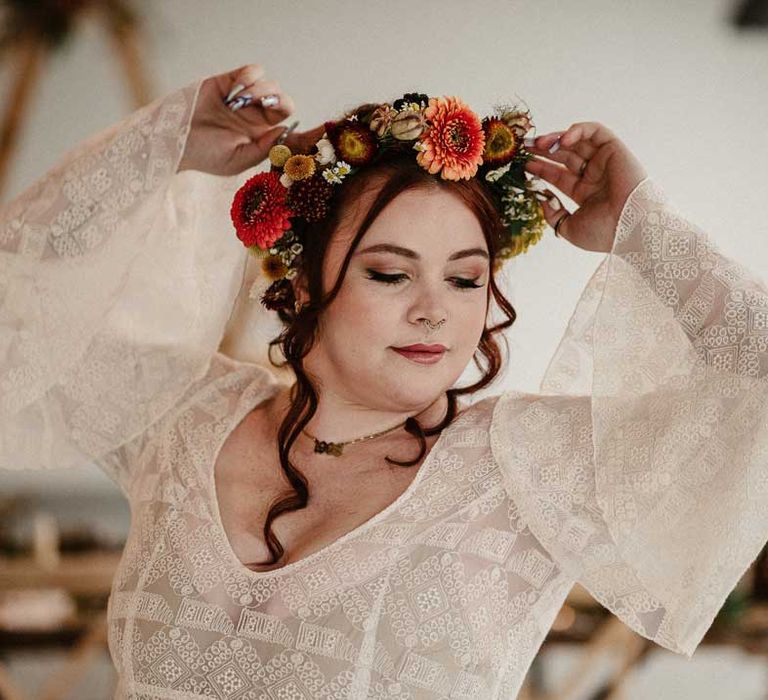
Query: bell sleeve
[(642, 466), (117, 277)]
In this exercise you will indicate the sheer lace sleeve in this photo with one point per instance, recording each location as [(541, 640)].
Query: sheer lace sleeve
[(643, 465), (117, 277)]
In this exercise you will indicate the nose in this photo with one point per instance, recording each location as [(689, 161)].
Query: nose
[(429, 303)]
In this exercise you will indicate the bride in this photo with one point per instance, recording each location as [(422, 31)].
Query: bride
[(362, 531)]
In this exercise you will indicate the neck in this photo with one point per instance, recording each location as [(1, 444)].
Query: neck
[(340, 420)]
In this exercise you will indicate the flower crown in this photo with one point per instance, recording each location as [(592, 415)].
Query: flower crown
[(449, 140)]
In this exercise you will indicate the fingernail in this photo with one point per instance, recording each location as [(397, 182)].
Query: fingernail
[(555, 146), (234, 91), (240, 101), (269, 100), (552, 201), (529, 141)]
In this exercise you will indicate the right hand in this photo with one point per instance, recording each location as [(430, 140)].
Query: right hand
[(223, 142)]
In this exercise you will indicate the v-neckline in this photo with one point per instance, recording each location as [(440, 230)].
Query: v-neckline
[(245, 405)]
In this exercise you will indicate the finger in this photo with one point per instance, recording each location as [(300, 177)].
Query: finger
[(245, 75), (554, 211), (268, 139), (555, 174), (303, 141), (570, 159), (285, 107), (272, 114), (253, 152), (253, 94), (259, 89), (594, 133), (584, 149)]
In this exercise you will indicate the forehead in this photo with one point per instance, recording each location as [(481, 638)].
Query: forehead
[(428, 220)]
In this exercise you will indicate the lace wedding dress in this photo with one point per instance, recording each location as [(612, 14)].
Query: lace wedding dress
[(640, 471)]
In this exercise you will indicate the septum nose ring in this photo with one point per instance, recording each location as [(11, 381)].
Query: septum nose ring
[(433, 326)]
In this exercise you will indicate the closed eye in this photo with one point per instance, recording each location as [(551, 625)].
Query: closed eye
[(459, 282)]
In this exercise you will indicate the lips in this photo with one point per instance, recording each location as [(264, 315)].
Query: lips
[(422, 354), (420, 347)]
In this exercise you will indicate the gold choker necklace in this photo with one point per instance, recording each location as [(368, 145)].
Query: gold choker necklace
[(336, 448)]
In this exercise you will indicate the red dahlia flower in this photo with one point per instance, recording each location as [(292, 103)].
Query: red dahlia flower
[(259, 211)]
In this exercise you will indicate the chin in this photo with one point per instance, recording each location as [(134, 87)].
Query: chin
[(417, 393)]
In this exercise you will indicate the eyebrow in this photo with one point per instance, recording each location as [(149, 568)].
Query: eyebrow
[(408, 253)]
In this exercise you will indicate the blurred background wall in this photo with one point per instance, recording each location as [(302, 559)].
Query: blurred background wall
[(674, 79)]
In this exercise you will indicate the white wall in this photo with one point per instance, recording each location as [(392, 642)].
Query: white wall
[(685, 92)]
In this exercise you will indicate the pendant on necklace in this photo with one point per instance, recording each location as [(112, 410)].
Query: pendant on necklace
[(331, 448)]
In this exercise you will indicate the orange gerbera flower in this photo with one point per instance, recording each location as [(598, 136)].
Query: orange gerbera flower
[(453, 144)]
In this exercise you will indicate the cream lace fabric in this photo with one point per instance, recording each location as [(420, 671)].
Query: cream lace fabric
[(639, 471), (645, 473), (116, 282)]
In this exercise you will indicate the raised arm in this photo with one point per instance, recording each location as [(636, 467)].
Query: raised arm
[(642, 467), (119, 270), (661, 261)]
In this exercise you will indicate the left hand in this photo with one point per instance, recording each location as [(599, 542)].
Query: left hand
[(612, 172), (226, 142)]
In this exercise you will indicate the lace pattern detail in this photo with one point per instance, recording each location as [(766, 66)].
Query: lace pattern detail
[(444, 594), (115, 288), (645, 473)]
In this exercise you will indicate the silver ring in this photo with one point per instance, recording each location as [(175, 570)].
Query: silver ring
[(565, 215), (282, 138), (432, 326)]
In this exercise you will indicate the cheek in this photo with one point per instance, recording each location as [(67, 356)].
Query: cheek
[(470, 313), (359, 314)]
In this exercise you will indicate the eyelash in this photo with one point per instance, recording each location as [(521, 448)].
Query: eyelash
[(396, 279)]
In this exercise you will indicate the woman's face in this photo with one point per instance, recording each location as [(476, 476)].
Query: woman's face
[(440, 256)]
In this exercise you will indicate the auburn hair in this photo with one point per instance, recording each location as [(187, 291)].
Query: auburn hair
[(397, 173)]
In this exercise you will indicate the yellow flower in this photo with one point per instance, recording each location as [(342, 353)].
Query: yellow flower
[(299, 167), (278, 154), (273, 267)]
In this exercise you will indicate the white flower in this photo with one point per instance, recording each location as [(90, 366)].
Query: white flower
[(493, 175), (285, 180), (336, 174), (536, 185), (325, 152), (342, 168)]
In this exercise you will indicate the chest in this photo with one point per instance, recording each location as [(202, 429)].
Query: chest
[(343, 493)]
